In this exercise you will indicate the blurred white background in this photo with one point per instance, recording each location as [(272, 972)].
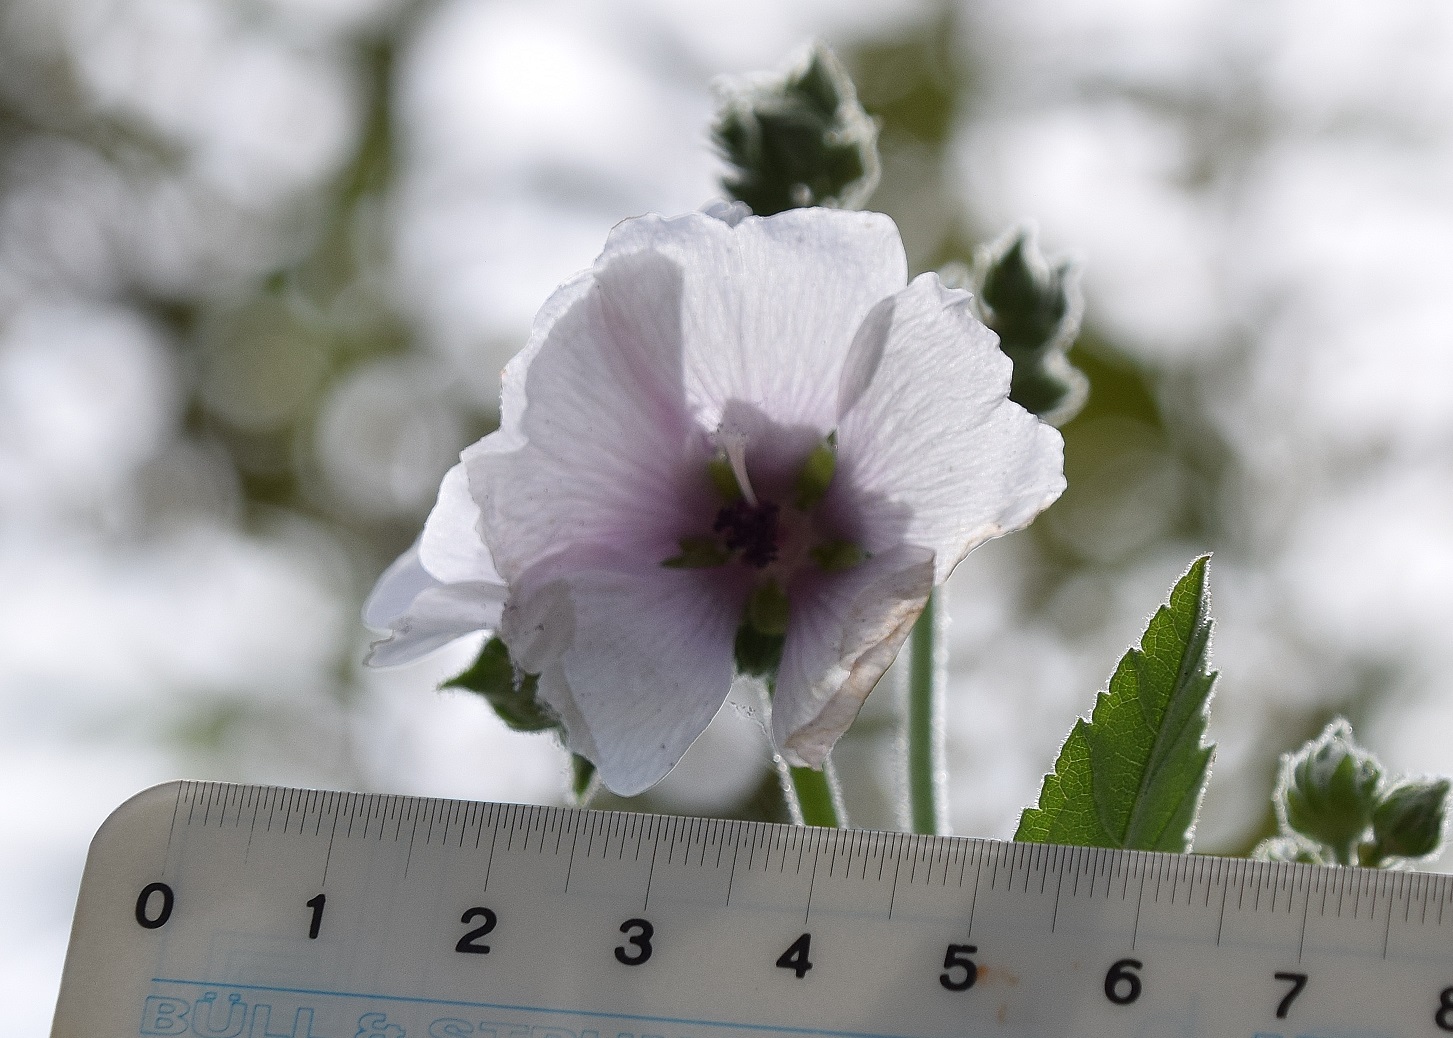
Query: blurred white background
[(262, 260)]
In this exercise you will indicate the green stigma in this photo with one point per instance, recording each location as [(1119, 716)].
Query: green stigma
[(836, 556), (816, 474)]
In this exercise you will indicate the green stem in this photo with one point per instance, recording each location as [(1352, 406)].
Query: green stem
[(925, 721), (818, 798)]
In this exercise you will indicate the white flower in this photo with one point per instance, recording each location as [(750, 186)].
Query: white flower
[(727, 425)]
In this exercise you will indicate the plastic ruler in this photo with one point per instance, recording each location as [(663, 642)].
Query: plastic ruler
[(223, 911)]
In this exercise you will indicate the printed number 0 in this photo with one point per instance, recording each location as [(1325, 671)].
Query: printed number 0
[(641, 941), (1444, 1016), (143, 902), (958, 957), (1121, 985)]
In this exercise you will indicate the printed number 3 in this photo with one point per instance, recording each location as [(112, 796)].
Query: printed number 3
[(641, 942)]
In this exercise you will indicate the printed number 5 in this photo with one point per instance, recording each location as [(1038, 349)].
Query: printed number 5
[(958, 958)]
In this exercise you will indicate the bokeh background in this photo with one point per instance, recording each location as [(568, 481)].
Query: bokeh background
[(261, 262)]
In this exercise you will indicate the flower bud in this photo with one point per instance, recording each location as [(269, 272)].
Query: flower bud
[(1409, 822), (800, 139), (1035, 307), (1328, 790)]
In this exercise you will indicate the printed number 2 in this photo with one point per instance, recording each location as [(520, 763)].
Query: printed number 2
[(795, 957), (1299, 981), (469, 943)]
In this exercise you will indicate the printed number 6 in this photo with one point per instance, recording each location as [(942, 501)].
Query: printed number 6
[(1121, 985), (958, 958)]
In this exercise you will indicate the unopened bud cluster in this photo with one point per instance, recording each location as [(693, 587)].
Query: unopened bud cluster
[(1337, 806)]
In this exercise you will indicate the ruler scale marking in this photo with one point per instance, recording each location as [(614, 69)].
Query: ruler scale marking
[(238, 943)]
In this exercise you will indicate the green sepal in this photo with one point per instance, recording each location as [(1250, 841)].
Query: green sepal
[(699, 553), (1410, 821), (510, 693), (816, 474), (583, 779), (1328, 789), (1035, 307), (798, 139), (1132, 776), (768, 609), (837, 556), (758, 654)]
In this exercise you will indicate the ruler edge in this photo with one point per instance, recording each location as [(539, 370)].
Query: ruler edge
[(1395, 884), (1011, 853)]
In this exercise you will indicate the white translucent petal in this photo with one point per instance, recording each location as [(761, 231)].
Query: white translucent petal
[(932, 451), (771, 305), (437, 616), (396, 590), (636, 664), (844, 631), (451, 547), (596, 445)]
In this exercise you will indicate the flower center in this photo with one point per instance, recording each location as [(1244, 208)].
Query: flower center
[(777, 541), (750, 529)]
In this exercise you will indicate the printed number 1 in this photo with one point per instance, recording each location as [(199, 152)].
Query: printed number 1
[(316, 904)]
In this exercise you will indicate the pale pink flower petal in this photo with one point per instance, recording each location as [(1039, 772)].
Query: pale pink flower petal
[(846, 630), (935, 433), (636, 664), (444, 587)]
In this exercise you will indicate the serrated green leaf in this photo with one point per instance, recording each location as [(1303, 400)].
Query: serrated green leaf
[(512, 695), (1133, 775)]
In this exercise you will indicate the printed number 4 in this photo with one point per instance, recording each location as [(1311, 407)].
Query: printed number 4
[(795, 957)]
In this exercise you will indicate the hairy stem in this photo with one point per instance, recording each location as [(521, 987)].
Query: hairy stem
[(813, 796), (926, 676)]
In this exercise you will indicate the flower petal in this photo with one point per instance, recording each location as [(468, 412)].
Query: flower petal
[(396, 590), (845, 630), (451, 548), (596, 446), (932, 447), (770, 305), (636, 664), (437, 616)]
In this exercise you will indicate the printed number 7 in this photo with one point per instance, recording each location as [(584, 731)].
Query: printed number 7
[(1299, 981)]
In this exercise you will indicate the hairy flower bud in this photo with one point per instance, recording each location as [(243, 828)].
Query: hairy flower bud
[(798, 139), (1410, 820), (1328, 790)]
